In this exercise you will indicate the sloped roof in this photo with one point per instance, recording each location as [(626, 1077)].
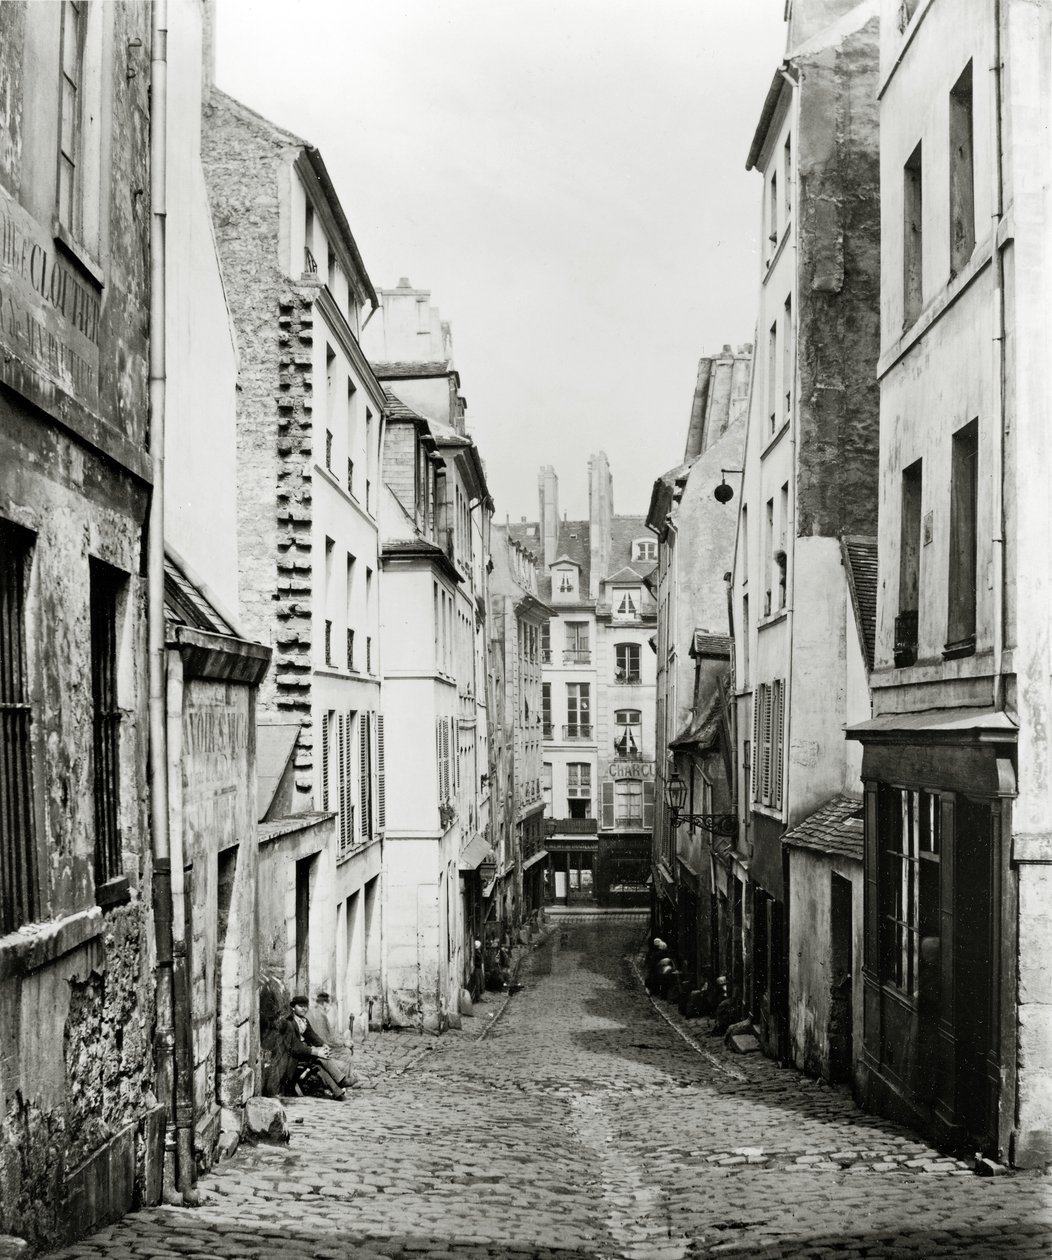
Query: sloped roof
[(397, 410), (625, 574), (705, 644), (860, 564), (185, 605), (835, 828), (702, 731), (405, 370), (275, 746)]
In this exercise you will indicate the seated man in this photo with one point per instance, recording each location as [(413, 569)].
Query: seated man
[(305, 1048), (321, 1018)]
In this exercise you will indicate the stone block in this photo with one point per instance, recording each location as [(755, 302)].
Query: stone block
[(265, 1120), (743, 1043)]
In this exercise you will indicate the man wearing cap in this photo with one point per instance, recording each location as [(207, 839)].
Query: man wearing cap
[(303, 1045)]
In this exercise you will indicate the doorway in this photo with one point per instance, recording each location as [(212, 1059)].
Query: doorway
[(841, 937)]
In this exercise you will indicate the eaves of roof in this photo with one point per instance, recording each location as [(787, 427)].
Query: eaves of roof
[(421, 549), (835, 829), (321, 171), (767, 114)]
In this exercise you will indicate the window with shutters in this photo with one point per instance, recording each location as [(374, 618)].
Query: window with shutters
[(768, 723), (606, 805), (628, 803), (18, 860), (365, 774), (345, 783), (106, 586), (381, 803)]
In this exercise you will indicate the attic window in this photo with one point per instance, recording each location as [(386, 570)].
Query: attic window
[(644, 549)]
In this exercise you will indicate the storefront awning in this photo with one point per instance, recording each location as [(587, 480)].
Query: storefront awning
[(532, 861), (979, 726), (474, 852)]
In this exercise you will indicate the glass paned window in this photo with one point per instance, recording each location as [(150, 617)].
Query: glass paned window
[(579, 779), (626, 667), (628, 732), (909, 883), (628, 802), (626, 602)]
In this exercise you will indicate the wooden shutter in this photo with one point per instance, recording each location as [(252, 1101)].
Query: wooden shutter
[(648, 804), (765, 738), (325, 761), (363, 771), (606, 805), (343, 781), (777, 724), (757, 705), (438, 760), (381, 803)]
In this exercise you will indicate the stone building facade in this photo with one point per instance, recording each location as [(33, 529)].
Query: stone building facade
[(310, 422), (810, 473), (597, 699), (956, 759), (695, 536), (436, 545), (81, 1127)]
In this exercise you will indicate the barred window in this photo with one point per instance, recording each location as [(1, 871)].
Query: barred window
[(18, 868), (106, 586)]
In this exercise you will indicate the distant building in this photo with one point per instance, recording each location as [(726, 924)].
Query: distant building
[(436, 515), (83, 1132), (310, 422), (956, 759), (518, 620), (810, 484), (694, 869), (597, 711)]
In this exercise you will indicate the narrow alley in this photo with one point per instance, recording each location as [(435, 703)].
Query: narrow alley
[(587, 1122)]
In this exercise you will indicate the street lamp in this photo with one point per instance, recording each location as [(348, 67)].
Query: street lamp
[(725, 825)]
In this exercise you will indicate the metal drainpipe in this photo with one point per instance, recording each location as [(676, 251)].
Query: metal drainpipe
[(998, 346), (172, 1017)]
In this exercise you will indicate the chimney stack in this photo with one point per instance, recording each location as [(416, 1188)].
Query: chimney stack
[(548, 491)]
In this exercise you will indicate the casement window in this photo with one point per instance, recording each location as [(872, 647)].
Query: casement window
[(772, 212), (964, 506), (645, 549), (787, 359), (626, 602), (345, 728), (768, 558), (546, 709), (79, 185), (627, 803), (772, 379), (578, 711), (910, 831), (106, 587), (912, 238), (546, 644), (626, 663), (787, 176), (628, 732), (19, 897), (962, 173), (546, 787), (577, 650), (781, 558), (768, 723), (567, 582)]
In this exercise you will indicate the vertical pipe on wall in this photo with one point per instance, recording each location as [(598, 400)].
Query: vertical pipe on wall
[(998, 348), (172, 1017)]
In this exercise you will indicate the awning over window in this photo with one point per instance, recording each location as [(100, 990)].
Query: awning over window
[(473, 853), (541, 853)]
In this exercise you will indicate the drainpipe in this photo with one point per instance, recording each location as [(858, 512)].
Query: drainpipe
[(998, 347), (172, 1018)]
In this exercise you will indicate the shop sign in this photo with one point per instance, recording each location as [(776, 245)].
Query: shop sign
[(631, 769)]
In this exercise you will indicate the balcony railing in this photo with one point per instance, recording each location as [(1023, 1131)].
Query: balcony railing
[(547, 732), (627, 677), (577, 730), (906, 638), (628, 819), (546, 656), (577, 656)]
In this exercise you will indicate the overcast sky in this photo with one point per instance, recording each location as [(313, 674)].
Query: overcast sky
[(568, 179)]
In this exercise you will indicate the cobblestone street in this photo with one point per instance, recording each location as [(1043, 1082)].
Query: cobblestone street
[(586, 1124)]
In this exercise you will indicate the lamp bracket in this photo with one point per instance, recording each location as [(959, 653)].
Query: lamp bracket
[(714, 824)]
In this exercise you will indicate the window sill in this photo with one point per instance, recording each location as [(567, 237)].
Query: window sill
[(772, 619), (115, 892), (960, 648), (78, 255), (38, 944), (772, 441)]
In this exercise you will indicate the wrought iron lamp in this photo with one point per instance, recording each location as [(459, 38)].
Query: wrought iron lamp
[(724, 825)]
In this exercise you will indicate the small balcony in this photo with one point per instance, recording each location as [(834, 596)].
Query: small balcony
[(547, 731), (576, 730), (571, 826), (906, 638), (577, 656)]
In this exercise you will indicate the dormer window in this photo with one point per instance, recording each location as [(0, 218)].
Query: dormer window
[(564, 582), (626, 602), (645, 549)]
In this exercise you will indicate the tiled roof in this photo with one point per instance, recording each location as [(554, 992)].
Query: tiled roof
[(702, 730), (398, 410), (387, 371), (860, 563), (185, 605), (836, 828), (706, 644)]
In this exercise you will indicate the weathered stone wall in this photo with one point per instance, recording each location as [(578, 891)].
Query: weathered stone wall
[(399, 462), (79, 1125), (838, 202)]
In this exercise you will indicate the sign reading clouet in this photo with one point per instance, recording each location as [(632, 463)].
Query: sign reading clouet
[(49, 317)]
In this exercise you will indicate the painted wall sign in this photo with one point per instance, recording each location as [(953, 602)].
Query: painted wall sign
[(49, 315), (631, 769)]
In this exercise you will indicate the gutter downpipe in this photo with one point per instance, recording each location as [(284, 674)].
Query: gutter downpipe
[(997, 470), (172, 1024)]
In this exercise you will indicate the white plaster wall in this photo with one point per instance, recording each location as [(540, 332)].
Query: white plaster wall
[(201, 470)]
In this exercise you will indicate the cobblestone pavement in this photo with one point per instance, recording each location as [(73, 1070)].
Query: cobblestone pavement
[(586, 1124)]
